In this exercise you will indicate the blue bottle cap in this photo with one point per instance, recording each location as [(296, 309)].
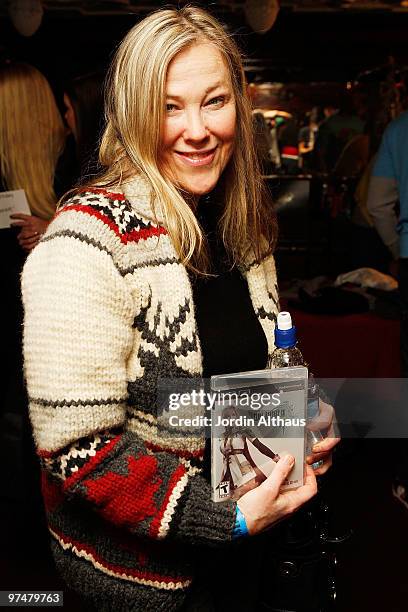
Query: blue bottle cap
[(285, 338)]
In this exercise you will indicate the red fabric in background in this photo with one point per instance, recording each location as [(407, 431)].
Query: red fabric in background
[(349, 346)]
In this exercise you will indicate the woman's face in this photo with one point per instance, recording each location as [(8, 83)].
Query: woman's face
[(199, 127), (69, 115)]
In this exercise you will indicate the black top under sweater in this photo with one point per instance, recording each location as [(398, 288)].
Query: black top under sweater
[(232, 339)]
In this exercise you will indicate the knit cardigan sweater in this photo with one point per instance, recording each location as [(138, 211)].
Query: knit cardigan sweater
[(108, 313)]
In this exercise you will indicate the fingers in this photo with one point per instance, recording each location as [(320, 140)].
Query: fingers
[(28, 237), (325, 467), (27, 231), (28, 243), (294, 498), (324, 419), (325, 458), (240, 491), (322, 451), (309, 488), (21, 216), (275, 480), (30, 224), (310, 484), (266, 504), (25, 236), (325, 446)]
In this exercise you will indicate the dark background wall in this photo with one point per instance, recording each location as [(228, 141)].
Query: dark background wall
[(299, 47)]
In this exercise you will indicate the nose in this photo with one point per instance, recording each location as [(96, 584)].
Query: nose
[(195, 128)]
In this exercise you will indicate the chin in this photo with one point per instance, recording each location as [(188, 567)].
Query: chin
[(200, 191), (200, 187)]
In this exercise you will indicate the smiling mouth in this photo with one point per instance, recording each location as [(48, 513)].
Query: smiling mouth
[(197, 158)]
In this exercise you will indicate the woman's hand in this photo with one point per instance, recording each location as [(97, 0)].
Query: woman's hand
[(32, 228), (267, 504), (322, 451)]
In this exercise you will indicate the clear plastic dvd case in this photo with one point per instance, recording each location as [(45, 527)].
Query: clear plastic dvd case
[(257, 418)]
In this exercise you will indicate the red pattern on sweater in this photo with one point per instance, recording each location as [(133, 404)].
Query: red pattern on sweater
[(115, 568), (133, 236), (115, 496), (155, 525), (105, 192), (92, 463), (41, 452)]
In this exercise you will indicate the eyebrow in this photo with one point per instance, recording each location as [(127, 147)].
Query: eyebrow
[(207, 91)]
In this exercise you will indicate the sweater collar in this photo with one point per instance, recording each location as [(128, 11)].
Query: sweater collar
[(140, 195)]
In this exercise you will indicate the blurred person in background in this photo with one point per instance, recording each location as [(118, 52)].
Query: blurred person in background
[(340, 126), (263, 141), (387, 203), (288, 145), (83, 100), (32, 138), (307, 138)]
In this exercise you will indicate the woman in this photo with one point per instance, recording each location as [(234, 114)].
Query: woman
[(129, 508), (32, 139), (83, 99)]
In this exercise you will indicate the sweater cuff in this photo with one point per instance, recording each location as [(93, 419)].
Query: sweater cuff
[(204, 522)]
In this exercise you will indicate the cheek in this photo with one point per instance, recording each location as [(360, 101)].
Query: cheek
[(170, 134), (227, 134), (226, 128)]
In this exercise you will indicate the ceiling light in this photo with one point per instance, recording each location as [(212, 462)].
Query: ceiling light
[(26, 15)]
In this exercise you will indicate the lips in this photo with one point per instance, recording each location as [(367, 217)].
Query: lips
[(196, 158)]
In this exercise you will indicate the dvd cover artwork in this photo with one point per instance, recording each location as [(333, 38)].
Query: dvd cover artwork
[(256, 419)]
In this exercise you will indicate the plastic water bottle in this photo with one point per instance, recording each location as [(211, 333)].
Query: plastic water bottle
[(287, 354)]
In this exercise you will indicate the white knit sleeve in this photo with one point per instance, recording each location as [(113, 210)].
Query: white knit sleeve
[(77, 336)]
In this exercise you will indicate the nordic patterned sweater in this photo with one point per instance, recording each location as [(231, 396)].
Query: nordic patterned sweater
[(108, 313)]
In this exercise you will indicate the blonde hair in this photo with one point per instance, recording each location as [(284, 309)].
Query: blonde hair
[(31, 135), (135, 107)]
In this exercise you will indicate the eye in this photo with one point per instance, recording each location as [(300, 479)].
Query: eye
[(218, 101), (170, 108)]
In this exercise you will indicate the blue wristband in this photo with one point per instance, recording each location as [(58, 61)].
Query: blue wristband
[(240, 527)]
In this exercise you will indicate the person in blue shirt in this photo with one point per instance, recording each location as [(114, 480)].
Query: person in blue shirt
[(387, 202)]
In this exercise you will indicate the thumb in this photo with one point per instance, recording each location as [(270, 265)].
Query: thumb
[(279, 474)]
